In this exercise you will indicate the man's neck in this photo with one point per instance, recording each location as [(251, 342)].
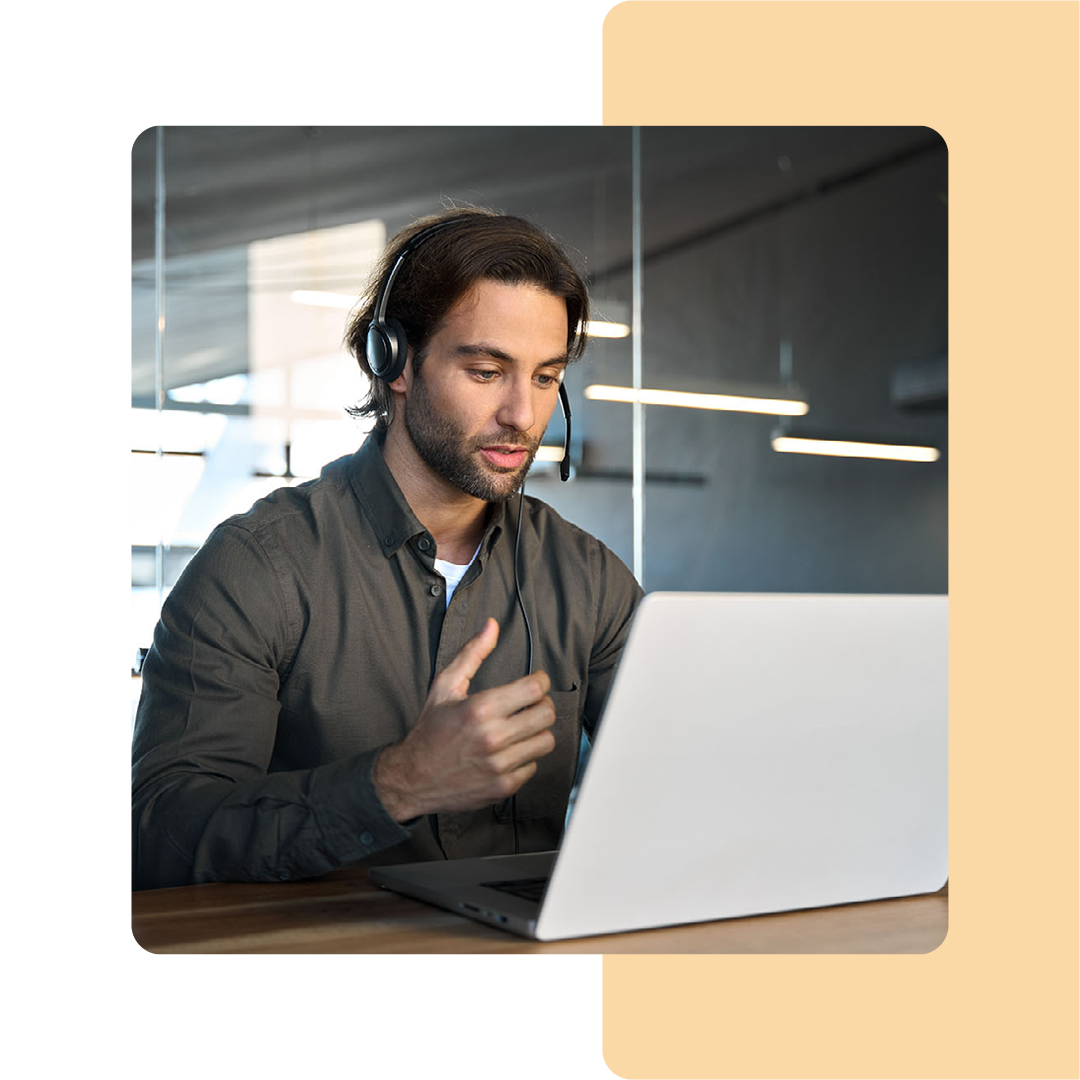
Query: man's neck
[(455, 520)]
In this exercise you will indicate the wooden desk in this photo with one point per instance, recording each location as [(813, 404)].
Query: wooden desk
[(343, 913)]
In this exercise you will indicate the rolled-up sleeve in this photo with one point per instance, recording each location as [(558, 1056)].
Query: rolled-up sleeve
[(204, 807)]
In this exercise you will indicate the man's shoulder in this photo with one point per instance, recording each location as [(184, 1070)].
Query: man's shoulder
[(552, 528), (586, 568), (303, 509), (546, 521)]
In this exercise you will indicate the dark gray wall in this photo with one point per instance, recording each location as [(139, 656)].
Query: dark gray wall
[(855, 278)]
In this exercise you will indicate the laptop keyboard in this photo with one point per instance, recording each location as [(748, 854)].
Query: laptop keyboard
[(526, 888)]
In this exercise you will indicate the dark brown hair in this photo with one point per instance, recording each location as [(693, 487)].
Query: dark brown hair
[(480, 244)]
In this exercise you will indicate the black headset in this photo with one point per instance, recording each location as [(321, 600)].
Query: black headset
[(386, 350), (387, 347)]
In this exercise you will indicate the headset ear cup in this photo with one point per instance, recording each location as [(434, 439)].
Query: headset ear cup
[(387, 349), (377, 350), (396, 332)]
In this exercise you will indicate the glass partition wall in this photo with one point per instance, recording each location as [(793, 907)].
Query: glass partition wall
[(786, 289), (250, 245)]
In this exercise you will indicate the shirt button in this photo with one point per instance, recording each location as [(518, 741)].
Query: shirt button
[(435, 590), (388, 541), (424, 543), (366, 838)]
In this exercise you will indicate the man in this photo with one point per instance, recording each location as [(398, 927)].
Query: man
[(345, 673)]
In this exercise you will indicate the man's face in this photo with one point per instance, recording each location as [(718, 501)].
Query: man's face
[(488, 383)]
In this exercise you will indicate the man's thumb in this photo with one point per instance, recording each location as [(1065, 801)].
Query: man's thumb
[(457, 674)]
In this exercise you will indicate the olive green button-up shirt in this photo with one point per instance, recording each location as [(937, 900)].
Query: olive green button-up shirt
[(303, 637)]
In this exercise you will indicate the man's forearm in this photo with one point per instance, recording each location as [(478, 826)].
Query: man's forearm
[(190, 829)]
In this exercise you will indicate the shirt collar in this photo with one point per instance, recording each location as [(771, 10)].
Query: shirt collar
[(386, 507)]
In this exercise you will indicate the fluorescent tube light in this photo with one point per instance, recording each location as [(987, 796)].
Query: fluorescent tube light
[(601, 328), (788, 444), (598, 328), (686, 400), (322, 299), (595, 327), (611, 319), (549, 453)]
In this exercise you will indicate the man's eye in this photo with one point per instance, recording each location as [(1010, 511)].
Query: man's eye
[(547, 380), (485, 374)]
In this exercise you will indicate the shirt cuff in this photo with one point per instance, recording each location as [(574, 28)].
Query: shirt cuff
[(352, 816)]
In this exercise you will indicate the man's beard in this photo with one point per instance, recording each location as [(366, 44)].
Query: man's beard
[(453, 455)]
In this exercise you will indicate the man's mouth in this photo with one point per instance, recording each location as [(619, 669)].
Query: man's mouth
[(505, 457)]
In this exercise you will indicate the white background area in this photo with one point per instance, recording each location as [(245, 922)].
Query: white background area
[(70, 544)]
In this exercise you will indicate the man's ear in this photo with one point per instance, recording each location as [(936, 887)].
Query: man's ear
[(400, 384)]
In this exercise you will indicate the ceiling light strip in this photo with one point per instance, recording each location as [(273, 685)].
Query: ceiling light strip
[(686, 400), (549, 453), (787, 444), (599, 328)]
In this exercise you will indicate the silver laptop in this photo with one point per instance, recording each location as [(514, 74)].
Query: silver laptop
[(758, 753)]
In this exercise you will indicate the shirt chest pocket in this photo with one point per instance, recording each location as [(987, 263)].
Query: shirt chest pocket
[(548, 791)]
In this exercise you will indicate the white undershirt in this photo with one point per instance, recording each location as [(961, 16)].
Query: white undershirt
[(453, 572)]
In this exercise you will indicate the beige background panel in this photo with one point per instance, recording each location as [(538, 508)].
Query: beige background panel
[(999, 82)]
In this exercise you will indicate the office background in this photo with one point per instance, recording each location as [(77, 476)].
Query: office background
[(805, 263)]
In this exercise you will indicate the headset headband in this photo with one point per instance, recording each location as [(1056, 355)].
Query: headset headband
[(383, 298)]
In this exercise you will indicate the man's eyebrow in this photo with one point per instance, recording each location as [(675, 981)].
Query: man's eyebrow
[(483, 348)]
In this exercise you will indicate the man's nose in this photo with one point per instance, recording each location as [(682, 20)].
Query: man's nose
[(516, 410)]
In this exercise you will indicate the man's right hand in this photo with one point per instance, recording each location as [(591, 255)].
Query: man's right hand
[(467, 752)]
